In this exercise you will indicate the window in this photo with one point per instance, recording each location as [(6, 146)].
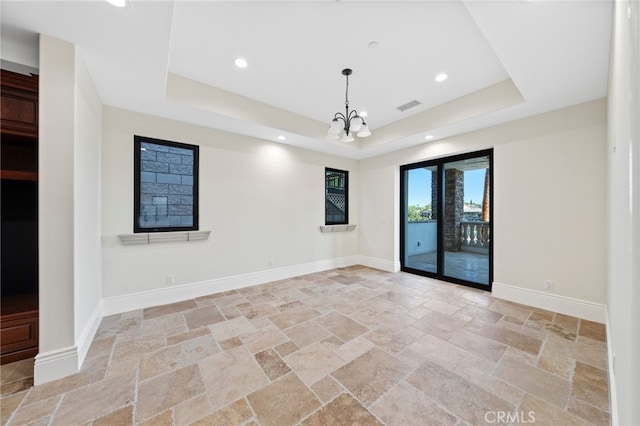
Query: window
[(165, 186), (336, 191)]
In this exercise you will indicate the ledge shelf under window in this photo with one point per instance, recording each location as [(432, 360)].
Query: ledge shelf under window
[(337, 228), (161, 237)]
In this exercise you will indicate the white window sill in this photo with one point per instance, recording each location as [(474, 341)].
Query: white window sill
[(160, 237), (337, 228)]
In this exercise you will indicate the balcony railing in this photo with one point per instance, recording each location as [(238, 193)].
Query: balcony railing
[(475, 236)]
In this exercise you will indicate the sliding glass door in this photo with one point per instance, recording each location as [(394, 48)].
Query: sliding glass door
[(446, 218)]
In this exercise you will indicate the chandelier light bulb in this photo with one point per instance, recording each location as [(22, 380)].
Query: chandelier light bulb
[(364, 131), (347, 138), (356, 123)]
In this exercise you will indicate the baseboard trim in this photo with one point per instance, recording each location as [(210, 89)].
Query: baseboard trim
[(129, 302), (377, 263), (551, 302), (55, 365), (86, 337), (613, 396)]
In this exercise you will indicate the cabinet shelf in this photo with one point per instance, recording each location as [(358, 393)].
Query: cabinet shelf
[(19, 175)]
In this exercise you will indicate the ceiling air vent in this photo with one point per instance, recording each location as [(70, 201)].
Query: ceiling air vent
[(403, 108)]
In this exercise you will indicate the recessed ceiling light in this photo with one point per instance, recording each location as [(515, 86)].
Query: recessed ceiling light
[(241, 63), (118, 3), (281, 138), (428, 137), (363, 114), (373, 45), (441, 77)]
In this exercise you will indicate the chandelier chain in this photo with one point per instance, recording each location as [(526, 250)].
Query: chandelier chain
[(346, 93)]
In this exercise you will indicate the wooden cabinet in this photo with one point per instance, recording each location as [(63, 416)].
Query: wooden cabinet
[(19, 328), (19, 205), (19, 112)]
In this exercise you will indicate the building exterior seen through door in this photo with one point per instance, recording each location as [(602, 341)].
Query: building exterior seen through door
[(446, 219)]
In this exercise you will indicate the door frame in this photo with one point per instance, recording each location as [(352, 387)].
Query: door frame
[(440, 162)]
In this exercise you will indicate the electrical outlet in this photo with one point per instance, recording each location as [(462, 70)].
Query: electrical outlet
[(271, 262), (171, 279), (548, 285), (419, 243)]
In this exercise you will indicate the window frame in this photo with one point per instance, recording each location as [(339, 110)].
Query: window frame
[(346, 196), (137, 186)]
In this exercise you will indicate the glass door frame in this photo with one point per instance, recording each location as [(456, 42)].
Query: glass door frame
[(440, 163)]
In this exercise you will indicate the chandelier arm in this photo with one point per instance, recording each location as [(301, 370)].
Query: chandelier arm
[(340, 116)]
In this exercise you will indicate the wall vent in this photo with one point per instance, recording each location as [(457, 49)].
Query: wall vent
[(413, 103)]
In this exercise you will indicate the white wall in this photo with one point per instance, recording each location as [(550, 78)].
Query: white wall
[(549, 199), (55, 211), (262, 201), (624, 214), (69, 210), (87, 226)]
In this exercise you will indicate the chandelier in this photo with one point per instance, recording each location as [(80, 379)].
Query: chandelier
[(344, 125)]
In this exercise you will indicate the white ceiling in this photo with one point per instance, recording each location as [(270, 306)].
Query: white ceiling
[(505, 60)]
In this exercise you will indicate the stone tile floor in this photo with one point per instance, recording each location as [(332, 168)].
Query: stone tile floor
[(344, 347)]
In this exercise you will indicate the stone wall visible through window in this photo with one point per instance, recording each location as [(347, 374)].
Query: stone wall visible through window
[(166, 186)]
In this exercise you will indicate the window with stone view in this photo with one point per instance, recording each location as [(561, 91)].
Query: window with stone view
[(166, 186), (336, 192)]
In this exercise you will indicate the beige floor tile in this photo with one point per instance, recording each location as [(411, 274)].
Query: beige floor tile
[(293, 317), (457, 395), (537, 411), (183, 337), (440, 325), (511, 338), (344, 410), (95, 400), (588, 412), (233, 414), (158, 311), (239, 372), (393, 340), (306, 333), (343, 327), (346, 346), (164, 392), (286, 348), (202, 317), (557, 363), (404, 405), (593, 330), (283, 402), (178, 356), (101, 347), (120, 417), (590, 385), (92, 371), (264, 339), (36, 411), (9, 404), (235, 327), (371, 375), (313, 362), (163, 419), (192, 410), (479, 345), (326, 388), (537, 382), (481, 313), (431, 348), (353, 348), (273, 366)]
